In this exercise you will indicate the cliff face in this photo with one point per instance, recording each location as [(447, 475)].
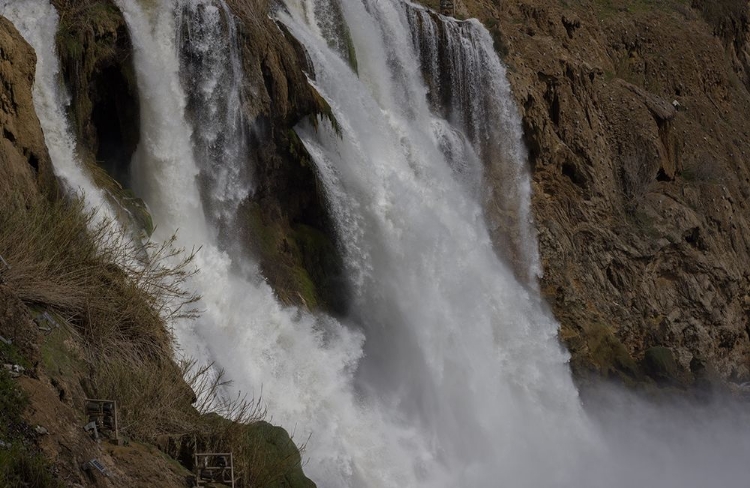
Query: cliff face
[(287, 222), (24, 163), (635, 117)]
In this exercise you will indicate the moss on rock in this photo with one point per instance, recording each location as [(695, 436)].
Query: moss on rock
[(278, 462), (596, 349), (659, 364)]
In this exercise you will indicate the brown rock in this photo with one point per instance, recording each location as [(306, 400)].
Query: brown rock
[(642, 209), (24, 161)]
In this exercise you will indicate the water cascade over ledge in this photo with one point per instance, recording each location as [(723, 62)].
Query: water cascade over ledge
[(37, 21), (447, 372)]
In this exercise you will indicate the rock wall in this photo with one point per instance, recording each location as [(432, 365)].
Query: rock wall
[(635, 117), (288, 222), (95, 56), (25, 166)]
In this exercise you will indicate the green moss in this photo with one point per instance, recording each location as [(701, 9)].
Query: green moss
[(10, 354), (296, 148), (277, 460), (659, 364), (130, 208), (21, 468), (57, 357), (277, 243), (12, 404), (597, 349), (323, 112)]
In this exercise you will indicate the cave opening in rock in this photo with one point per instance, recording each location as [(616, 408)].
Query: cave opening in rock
[(114, 116)]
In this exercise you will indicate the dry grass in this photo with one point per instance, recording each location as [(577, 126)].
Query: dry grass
[(119, 300), (118, 295), (264, 455)]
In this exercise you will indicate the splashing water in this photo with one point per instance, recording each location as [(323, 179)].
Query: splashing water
[(303, 363), (449, 329), (214, 76)]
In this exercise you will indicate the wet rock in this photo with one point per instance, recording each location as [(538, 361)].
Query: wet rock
[(25, 166)]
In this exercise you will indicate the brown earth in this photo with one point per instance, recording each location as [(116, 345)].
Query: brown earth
[(635, 117)]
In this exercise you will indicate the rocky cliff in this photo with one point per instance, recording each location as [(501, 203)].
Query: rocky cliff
[(24, 162), (635, 118)]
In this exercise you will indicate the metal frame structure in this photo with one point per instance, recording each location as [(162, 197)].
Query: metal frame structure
[(207, 471), (103, 413), (46, 317)]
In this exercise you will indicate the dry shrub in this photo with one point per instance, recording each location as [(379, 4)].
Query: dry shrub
[(152, 398), (264, 455), (117, 294), (119, 299)]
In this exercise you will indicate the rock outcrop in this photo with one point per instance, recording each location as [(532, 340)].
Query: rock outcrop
[(288, 222), (96, 59), (25, 166), (635, 117)]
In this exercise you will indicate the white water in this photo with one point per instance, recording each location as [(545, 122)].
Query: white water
[(448, 328), (211, 67), (455, 377), (467, 84), (303, 364), (37, 21), (450, 332)]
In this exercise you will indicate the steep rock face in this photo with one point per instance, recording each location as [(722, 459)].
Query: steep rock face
[(284, 221), (288, 221), (635, 117), (24, 162), (95, 54)]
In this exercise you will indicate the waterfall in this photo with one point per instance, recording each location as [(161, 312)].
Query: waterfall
[(214, 76), (37, 21), (450, 331), (303, 363), (467, 85), (448, 372)]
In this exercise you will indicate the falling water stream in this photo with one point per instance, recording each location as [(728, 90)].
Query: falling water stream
[(448, 371), (37, 20)]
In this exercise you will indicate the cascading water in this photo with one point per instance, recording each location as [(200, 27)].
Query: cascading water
[(37, 22), (467, 84), (303, 364), (450, 332), (214, 76), (448, 372)]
